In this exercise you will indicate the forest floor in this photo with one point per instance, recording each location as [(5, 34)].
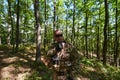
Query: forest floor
[(22, 66)]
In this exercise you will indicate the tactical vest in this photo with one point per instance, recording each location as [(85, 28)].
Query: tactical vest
[(61, 62)]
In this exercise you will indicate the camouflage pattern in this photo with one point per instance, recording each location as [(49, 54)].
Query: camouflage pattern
[(63, 62)]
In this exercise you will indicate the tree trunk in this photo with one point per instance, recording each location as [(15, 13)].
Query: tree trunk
[(86, 40), (38, 30), (45, 29), (11, 23), (105, 34), (9, 31), (86, 24), (98, 38), (116, 54), (54, 21), (77, 37), (66, 23), (98, 41), (73, 28), (17, 26)]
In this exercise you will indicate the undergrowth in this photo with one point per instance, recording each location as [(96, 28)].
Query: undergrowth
[(106, 72), (90, 68)]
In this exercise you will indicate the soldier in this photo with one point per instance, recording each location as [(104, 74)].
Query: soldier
[(62, 57)]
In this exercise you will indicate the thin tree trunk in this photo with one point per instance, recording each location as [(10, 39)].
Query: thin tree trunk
[(86, 43), (116, 54), (98, 38), (54, 21), (66, 23), (98, 41), (86, 24), (17, 27), (57, 22), (77, 37), (73, 28), (11, 22), (8, 36), (105, 34), (45, 29), (38, 30)]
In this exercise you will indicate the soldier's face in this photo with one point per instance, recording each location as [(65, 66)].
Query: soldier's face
[(59, 37)]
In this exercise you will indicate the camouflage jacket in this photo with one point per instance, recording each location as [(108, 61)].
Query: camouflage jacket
[(65, 58)]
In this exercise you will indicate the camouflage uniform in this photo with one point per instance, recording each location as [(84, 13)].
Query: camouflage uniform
[(63, 62)]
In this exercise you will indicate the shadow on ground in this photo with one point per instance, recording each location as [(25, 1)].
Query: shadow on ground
[(21, 66)]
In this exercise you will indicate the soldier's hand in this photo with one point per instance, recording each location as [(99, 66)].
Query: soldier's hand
[(45, 60)]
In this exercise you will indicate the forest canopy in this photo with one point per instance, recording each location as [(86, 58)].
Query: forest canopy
[(91, 25)]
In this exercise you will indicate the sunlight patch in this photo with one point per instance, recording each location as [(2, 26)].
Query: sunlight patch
[(1, 51), (9, 60)]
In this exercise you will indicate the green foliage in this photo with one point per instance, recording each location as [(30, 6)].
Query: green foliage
[(5, 47), (34, 76), (64, 10), (109, 72), (41, 72), (87, 62), (112, 73)]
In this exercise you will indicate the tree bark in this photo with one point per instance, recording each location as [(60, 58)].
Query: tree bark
[(116, 54), (73, 28), (45, 29), (86, 31), (17, 26), (86, 40), (105, 34), (38, 30), (9, 33), (54, 20), (66, 23), (11, 23), (98, 38)]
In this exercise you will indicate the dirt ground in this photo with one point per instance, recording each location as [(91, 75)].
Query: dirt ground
[(15, 66), (20, 66)]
